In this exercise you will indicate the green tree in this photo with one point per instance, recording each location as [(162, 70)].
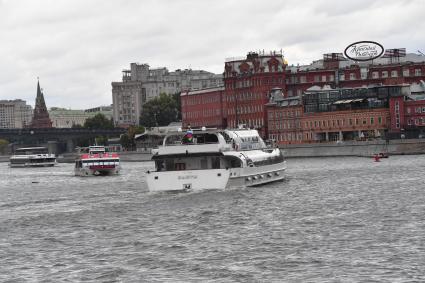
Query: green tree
[(3, 146), (160, 111), (177, 99), (101, 140), (125, 141), (99, 121), (76, 126)]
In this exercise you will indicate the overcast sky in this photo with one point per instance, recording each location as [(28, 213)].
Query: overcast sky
[(78, 47)]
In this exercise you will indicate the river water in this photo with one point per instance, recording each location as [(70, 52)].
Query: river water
[(332, 220)]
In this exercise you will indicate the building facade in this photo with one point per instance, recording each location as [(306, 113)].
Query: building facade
[(326, 115), (140, 84), (15, 114), (337, 72), (408, 114), (284, 118), (67, 118), (204, 108), (247, 82), (107, 111), (330, 99)]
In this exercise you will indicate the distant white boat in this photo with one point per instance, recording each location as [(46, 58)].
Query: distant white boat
[(214, 159), (32, 157)]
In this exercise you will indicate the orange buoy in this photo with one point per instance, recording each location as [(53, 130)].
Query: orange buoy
[(377, 158)]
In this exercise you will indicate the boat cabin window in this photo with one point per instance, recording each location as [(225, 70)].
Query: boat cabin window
[(226, 137), (196, 138), (159, 165), (270, 160), (31, 150), (180, 166), (234, 162), (215, 162), (207, 138), (204, 163), (18, 161)]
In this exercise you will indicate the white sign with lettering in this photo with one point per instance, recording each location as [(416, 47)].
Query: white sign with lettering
[(364, 51)]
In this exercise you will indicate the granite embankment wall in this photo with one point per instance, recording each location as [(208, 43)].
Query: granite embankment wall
[(358, 148), (365, 148)]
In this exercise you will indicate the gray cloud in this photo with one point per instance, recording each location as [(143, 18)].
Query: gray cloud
[(78, 48)]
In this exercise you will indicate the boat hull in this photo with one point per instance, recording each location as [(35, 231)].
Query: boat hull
[(218, 179), (255, 176), (188, 180), (85, 172)]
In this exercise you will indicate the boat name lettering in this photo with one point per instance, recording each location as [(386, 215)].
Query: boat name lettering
[(187, 177)]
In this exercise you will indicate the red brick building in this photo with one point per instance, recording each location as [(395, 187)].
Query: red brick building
[(204, 108), (326, 114), (248, 82), (337, 72), (345, 125), (284, 118), (408, 115)]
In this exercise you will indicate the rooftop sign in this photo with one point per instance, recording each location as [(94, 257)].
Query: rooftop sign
[(364, 51)]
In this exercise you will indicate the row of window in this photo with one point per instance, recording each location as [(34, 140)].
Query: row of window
[(417, 121), (284, 125), (200, 100), (342, 122), (255, 82), (203, 122), (282, 114), (249, 109), (417, 110), (316, 78), (203, 113), (286, 137), (353, 76), (243, 96), (252, 123), (397, 114)]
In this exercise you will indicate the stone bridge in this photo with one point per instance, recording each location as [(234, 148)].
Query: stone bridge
[(58, 140)]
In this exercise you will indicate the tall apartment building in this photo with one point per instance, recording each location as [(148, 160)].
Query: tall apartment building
[(15, 114), (140, 84)]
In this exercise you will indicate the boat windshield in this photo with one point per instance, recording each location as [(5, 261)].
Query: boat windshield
[(188, 139)]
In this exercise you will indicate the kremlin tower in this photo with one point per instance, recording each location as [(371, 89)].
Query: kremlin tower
[(41, 116)]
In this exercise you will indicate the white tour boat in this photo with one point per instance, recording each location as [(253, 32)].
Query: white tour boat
[(214, 159), (96, 161), (32, 157)]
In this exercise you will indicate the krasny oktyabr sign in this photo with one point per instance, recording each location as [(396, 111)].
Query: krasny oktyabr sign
[(364, 50)]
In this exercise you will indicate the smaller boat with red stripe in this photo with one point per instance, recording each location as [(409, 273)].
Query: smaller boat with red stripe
[(97, 161)]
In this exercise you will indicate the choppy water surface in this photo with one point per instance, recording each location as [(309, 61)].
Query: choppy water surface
[(332, 220)]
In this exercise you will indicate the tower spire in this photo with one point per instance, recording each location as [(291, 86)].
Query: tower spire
[(41, 117)]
